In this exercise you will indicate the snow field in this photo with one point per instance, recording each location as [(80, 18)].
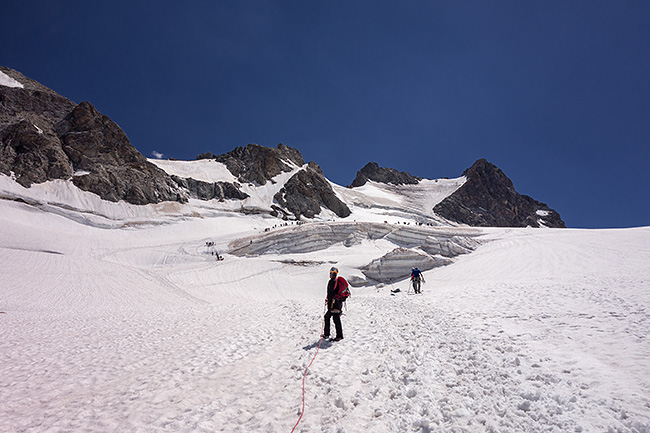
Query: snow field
[(419, 370), (7, 81), (139, 329), (123, 373), (378, 202)]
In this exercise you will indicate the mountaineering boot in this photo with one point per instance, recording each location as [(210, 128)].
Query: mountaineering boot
[(336, 339)]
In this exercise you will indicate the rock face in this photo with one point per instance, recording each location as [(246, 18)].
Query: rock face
[(209, 191), (258, 164), (44, 136), (29, 144), (302, 195), (307, 191), (116, 170), (33, 155), (372, 171), (489, 199)]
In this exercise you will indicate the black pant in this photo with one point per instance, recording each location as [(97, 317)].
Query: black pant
[(337, 320)]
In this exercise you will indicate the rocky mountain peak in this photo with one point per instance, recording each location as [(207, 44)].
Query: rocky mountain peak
[(26, 83), (113, 168), (258, 164), (303, 195), (483, 169), (44, 136), (372, 171), (488, 199), (306, 192), (32, 102)]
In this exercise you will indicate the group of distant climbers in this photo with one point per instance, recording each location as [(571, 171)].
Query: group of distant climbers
[(408, 223), (210, 248), (268, 229)]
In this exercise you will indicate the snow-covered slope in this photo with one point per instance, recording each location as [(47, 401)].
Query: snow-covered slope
[(378, 202), (260, 196), (373, 202), (205, 170), (6, 80), (119, 318), (402, 215)]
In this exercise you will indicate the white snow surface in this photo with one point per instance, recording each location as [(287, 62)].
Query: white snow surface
[(205, 170), (117, 318), (7, 81), (379, 202)]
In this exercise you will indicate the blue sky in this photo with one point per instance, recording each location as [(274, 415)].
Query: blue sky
[(555, 93)]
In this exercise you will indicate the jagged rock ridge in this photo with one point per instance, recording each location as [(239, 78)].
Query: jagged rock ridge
[(258, 164), (489, 199), (372, 171), (44, 136), (29, 144), (115, 170), (302, 195), (210, 190), (307, 191)]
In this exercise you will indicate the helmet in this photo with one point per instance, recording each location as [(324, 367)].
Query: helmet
[(334, 269)]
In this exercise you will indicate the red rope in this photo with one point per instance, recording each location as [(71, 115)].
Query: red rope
[(303, 386)]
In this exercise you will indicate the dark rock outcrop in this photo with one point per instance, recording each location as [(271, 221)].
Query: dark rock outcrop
[(33, 155), (257, 164), (116, 170), (488, 199), (372, 171), (302, 195), (32, 102), (44, 136), (209, 191), (307, 191), (29, 145)]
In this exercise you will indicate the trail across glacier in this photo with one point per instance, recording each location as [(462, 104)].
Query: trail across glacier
[(405, 365), (140, 330)]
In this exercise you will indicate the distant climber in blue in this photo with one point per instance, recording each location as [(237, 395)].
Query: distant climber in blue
[(416, 279)]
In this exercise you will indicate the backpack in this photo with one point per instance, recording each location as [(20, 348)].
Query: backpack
[(342, 289)]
